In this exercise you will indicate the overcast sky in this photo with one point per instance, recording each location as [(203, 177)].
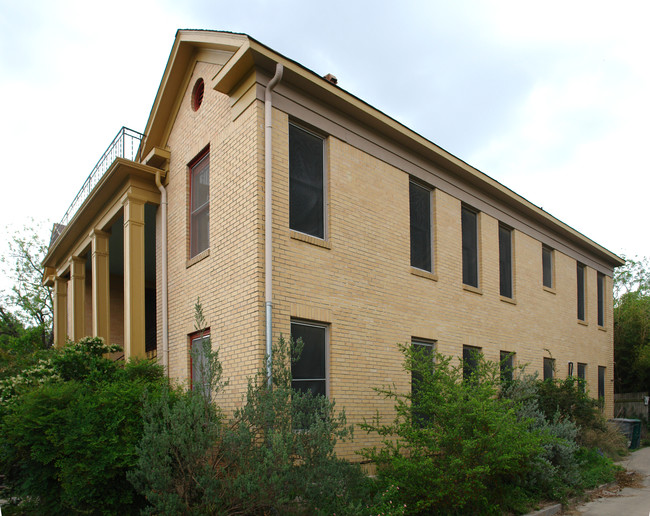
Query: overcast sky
[(550, 98)]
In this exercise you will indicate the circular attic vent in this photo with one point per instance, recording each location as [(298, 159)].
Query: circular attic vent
[(197, 94)]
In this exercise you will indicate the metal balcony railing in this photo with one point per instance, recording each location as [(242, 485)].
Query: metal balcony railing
[(124, 145)]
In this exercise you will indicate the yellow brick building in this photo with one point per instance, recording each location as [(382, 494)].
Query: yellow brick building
[(262, 188)]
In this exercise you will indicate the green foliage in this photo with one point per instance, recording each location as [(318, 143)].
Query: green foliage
[(20, 347), (632, 326), (456, 446), (68, 438)]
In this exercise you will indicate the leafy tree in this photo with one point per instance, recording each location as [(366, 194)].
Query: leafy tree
[(632, 326), (29, 301)]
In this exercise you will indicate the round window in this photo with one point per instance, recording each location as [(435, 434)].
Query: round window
[(197, 94)]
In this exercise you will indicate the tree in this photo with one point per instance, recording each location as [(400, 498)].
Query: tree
[(632, 326), (29, 300)]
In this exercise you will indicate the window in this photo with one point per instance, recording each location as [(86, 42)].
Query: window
[(469, 223), (424, 349), (471, 357), (420, 209), (505, 261), (200, 204), (306, 184), (506, 366), (199, 347), (601, 384), (310, 370), (549, 368), (601, 299), (582, 376), (580, 273), (547, 267)]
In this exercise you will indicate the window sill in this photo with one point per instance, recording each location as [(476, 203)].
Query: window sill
[(509, 300), (602, 328), (296, 235), (549, 289), (196, 259), (474, 290), (583, 323), (424, 274)]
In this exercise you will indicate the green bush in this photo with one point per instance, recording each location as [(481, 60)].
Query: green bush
[(454, 446), (67, 440)]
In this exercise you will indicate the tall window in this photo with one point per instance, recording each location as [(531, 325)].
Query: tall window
[(306, 182), (580, 273), (601, 384), (469, 223), (582, 376), (507, 366), (471, 356), (547, 267), (199, 346), (420, 209), (200, 204), (309, 372), (601, 299), (505, 261), (424, 350), (549, 368)]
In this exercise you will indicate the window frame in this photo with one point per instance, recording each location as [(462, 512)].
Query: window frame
[(550, 252), (506, 263), (196, 337), (429, 266), (471, 278), (195, 167), (582, 376), (581, 288), (548, 370), (326, 332), (299, 226), (506, 366), (470, 361), (600, 302), (602, 371)]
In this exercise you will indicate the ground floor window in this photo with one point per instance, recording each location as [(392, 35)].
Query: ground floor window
[(199, 348), (309, 372), (507, 366), (471, 356), (601, 384), (549, 368)]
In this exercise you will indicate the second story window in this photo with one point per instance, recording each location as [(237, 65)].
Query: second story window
[(200, 204), (601, 299), (420, 214), (306, 182), (580, 274), (505, 261), (547, 267), (469, 223)]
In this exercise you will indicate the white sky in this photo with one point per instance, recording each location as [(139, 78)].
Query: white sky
[(550, 98)]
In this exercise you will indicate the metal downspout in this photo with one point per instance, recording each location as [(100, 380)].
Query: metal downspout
[(165, 316), (268, 215)]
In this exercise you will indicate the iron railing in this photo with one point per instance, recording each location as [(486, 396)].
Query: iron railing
[(124, 145)]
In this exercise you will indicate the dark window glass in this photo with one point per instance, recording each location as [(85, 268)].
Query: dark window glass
[(549, 368), (309, 374), (469, 222), (505, 261), (601, 299), (306, 186), (580, 273), (420, 208), (582, 376), (470, 361), (601, 383), (200, 344), (200, 205), (507, 366), (547, 267), (424, 349)]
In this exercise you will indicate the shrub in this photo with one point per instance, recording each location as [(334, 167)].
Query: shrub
[(454, 446)]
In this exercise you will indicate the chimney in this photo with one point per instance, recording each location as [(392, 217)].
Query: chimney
[(330, 78)]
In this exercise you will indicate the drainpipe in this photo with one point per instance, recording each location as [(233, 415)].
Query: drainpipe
[(268, 215), (165, 316)]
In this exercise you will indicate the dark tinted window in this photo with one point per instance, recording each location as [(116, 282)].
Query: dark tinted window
[(420, 209), (309, 372), (469, 222), (505, 261), (200, 344), (601, 299), (507, 364), (425, 351), (601, 383), (306, 187), (470, 361), (582, 375), (547, 267), (580, 273), (549, 368)]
